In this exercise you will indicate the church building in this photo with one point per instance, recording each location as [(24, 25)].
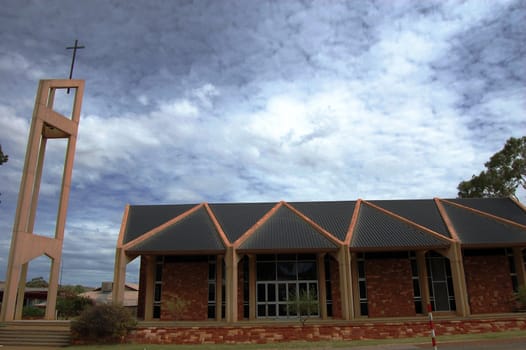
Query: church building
[(237, 263)]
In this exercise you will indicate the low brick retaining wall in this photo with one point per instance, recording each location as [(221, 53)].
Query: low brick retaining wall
[(354, 330)]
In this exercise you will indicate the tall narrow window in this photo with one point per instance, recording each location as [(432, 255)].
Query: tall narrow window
[(513, 269), (328, 287), (212, 297), (159, 262), (440, 282), (417, 295), (362, 285)]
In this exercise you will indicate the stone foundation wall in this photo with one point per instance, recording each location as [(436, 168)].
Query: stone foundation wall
[(489, 284), (261, 334), (389, 288)]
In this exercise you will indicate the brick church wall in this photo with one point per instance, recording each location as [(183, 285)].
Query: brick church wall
[(189, 282), (389, 288), (488, 283), (335, 288)]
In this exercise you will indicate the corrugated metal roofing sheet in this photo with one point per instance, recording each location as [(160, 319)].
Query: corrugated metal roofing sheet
[(285, 230), (236, 218), (143, 218), (477, 229), (375, 230), (334, 217), (503, 207), (421, 211), (196, 232)]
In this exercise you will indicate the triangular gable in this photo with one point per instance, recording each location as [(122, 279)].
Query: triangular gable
[(194, 233), (333, 217), (237, 218), (477, 229), (144, 218), (376, 229), (420, 211), (285, 230)]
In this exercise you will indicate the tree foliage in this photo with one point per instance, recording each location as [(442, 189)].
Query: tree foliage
[(505, 171), (37, 282), (3, 157)]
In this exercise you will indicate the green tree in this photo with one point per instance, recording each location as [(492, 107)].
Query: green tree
[(3, 157), (37, 282), (505, 171)]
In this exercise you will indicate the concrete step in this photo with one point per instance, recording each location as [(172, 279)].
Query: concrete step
[(35, 333)]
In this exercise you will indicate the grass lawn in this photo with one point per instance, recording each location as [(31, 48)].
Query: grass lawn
[(305, 345)]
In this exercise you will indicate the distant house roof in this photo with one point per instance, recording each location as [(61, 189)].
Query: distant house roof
[(103, 295), (323, 226)]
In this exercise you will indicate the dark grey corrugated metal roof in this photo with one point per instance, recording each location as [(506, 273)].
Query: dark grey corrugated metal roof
[(421, 211), (334, 217), (477, 229), (503, 207), (196, 232), (285, 230), (375, 229), (236, 218), (143, 218)]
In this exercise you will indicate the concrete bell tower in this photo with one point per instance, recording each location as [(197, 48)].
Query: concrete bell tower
[(27, 245)]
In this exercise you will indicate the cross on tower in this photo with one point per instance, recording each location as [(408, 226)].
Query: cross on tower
[(74, 48)]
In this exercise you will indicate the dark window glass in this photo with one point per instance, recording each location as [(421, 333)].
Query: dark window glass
[(211, 311), (211, 292), (271, 292), (361, 269), (418, 307), (266, 272), (307, 271), (157, 292), (282, 292), (261, 310), (156, 311), (282, 309), (363, 309), (261, 293), (272, 310), (287, 271), (416, 288), (363, 289), (211, 271)]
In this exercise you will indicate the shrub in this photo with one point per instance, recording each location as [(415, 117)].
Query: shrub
[(32, 312), (103, 324), (69, 305)]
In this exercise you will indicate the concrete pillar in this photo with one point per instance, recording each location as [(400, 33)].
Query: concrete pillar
[(459, 279), (422, 277), (344, 266), (231, 285), (149, 285)]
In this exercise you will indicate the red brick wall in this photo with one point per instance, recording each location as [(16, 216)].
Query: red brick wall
[(489, 284), (335, 288), (389, 287), (189, 282), (260, 334)]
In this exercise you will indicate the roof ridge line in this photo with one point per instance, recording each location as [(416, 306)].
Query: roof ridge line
[(314, 225), (447, 220), (488, 215), (409, 222), (258, 223), (218, 227), (120, 239), (159, 228), (354, 220)]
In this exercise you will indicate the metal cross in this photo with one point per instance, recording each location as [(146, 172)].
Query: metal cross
[(74, 48)]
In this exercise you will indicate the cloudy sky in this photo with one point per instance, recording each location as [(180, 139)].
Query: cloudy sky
[(243, 101)]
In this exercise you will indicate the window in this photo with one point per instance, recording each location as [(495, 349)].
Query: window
[(513, 270), (417, 298), (159, 262), (362, 285), (281, 279), (440, 283), (212, 282)]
